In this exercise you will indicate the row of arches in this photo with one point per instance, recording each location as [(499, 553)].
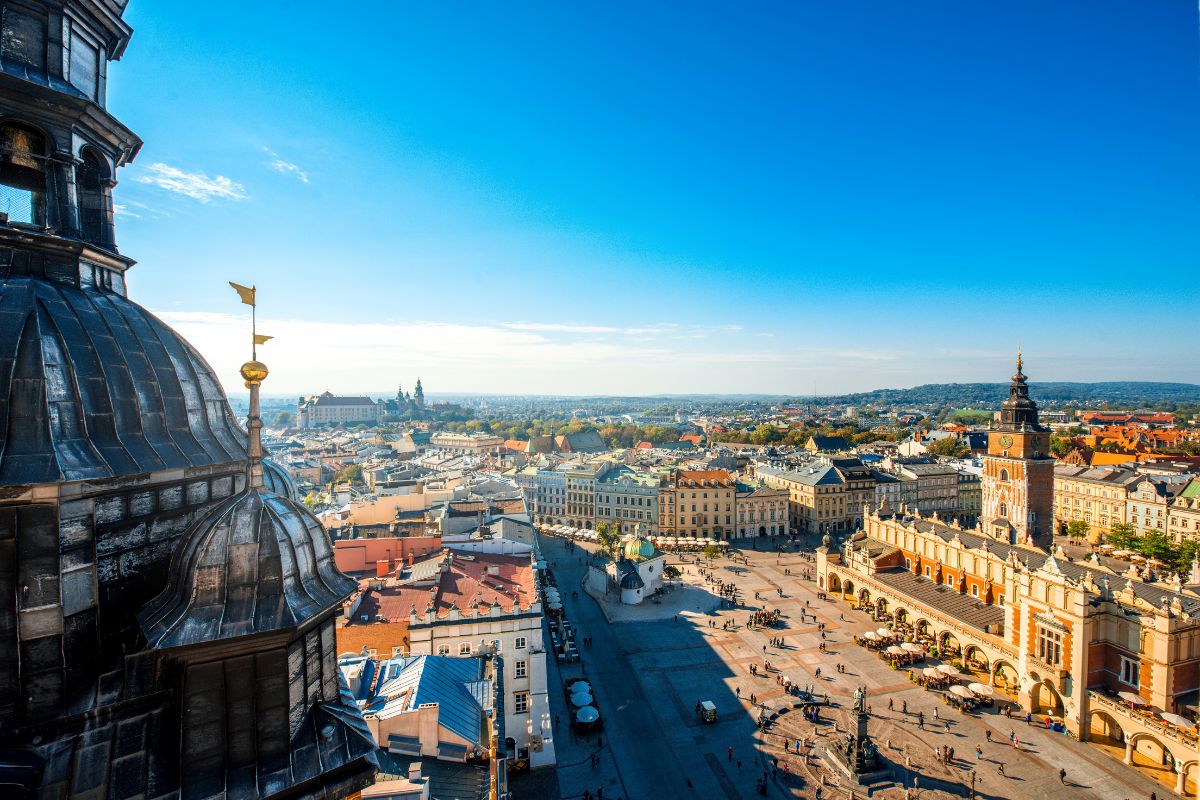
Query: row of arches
[(1145, 751), (36, 184)]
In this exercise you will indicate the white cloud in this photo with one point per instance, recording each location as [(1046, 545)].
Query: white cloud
[(195, 185), (285, 167), (122, 210)]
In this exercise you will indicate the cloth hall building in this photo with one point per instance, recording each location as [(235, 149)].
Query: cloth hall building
[(1068, 639)]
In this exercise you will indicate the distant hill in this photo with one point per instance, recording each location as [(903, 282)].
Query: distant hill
[(1119, 393)]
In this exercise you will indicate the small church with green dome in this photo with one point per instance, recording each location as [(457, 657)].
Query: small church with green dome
[(638, 573)]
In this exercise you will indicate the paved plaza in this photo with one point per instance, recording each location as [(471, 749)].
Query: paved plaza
[(649, 670)]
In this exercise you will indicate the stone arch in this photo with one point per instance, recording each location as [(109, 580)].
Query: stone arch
[(1188, 777), (901, 615), (1104, 728), (922, 628), (848, 588), (947, 641), (1045, 699), (881, 605), (1005, 675), (864, 597), (1145, 750), (976, 654)]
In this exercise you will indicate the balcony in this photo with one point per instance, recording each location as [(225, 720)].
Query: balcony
[(1133, 721)]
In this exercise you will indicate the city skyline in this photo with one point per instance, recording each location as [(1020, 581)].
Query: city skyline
[(777, 199)]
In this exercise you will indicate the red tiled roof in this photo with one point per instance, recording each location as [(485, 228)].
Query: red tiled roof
[(467, 583)]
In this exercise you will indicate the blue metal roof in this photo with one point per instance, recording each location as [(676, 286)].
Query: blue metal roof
[(454, 684)]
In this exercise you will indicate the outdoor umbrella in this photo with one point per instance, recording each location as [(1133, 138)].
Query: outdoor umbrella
[(587, 714), (895, 650), (871, 635), (913, 647), (580, 686), (1132, 697), (581, 699), (554, 605), (1175, 719), (961, 691), (981, 689), (930, 672), (884, 632), (946, 669)]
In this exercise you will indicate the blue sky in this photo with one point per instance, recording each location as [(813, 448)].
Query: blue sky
[(671, 197)]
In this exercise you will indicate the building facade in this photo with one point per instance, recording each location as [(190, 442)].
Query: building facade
[(1095, 495), (329, 409), (761, 511), (628, 499)]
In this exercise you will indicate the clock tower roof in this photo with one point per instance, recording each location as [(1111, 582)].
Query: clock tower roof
[(1018, 411)]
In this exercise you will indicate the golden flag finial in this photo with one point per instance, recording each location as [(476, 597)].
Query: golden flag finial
[(246, 293)]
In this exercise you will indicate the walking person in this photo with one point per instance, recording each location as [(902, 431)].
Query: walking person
[(1062, 776)]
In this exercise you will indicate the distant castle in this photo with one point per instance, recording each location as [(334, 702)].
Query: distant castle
[(405, 403)]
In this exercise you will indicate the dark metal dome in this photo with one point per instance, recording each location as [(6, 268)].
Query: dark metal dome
[(94, 386), (256, 563), (279, 481)]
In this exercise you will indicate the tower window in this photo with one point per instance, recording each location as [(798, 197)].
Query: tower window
[(88, 176), (22, 174), (1004, 475), (1002, 510)]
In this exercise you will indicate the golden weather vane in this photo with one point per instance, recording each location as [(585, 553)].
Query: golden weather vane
[(254, 372), (249, 296)]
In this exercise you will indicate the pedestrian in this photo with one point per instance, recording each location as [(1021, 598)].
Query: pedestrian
[(904, 707), (935, 712), (987, 734), (729, 751), (739, 765), (891, 704), (1028, 718), (978, 752), (600, 793), (738, 692), (1000, 768), (1062, 776)]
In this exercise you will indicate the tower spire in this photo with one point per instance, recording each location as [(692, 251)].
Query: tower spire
[(254, 372)]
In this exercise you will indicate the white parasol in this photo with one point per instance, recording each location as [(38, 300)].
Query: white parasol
[(912, 647), (930, 672), (946, 669), (884, 632), (1132, 697), (1175, 719), (895, 650), (961, 691), (981, 689), (587, 714), (870, 635), (581, 699), (580, 686)]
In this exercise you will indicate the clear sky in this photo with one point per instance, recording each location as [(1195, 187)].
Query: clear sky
[(632, 197)]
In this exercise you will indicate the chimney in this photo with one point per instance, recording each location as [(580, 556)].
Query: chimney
[(382, 568)]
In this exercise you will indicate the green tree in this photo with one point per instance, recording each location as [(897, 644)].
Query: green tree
[(949, 448), (1157, 545), (711, 551), (1187, 555), (609, 539), (351, 472), (283, 419), (1077, 529), (671, 572), (1122, 535), (1061, 447)]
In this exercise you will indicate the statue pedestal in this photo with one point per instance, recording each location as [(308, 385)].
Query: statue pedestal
[(855, 756)]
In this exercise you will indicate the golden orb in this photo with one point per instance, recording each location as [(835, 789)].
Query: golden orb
[(254, 371)]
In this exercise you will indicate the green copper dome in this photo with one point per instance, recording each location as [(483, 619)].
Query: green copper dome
[(639, 549)]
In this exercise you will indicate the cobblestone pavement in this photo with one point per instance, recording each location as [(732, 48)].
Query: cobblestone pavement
[(648, 675)]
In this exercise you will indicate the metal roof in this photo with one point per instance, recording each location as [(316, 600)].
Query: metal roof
[(94, 386)]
